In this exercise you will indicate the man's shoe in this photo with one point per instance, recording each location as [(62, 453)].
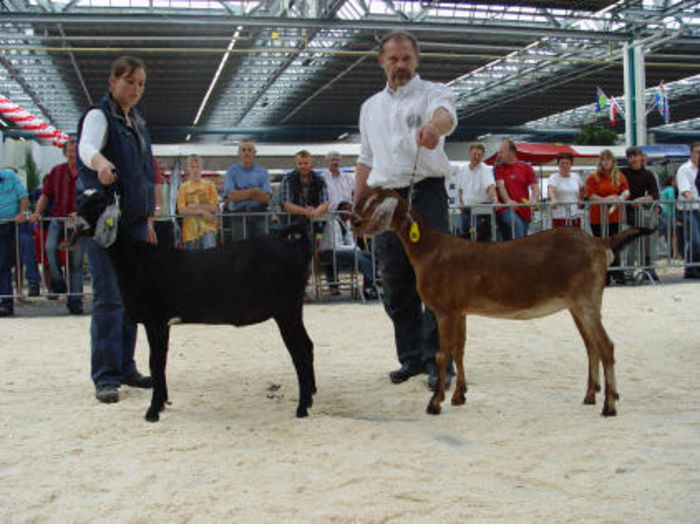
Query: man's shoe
[(107, 394), (6, 311), (370, 294), (34, 290), (75, 309), (137, 380), (405, 372)]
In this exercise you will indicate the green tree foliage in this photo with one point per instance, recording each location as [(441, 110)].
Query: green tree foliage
[(33, 178), (596, 135)]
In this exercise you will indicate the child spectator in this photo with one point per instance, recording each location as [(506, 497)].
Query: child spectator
[(197, 200)]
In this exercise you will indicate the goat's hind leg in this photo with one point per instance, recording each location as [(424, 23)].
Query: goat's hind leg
[(459, 395), (591, 328), (300, 348), (158, 338), (593, 384)]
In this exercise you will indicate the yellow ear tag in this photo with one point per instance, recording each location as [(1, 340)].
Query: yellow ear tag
[(109, 221), (414, 233)]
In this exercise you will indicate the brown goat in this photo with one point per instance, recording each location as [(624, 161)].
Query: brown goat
[(520, 279)]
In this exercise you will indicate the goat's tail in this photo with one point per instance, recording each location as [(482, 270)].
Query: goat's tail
[(616, 242)]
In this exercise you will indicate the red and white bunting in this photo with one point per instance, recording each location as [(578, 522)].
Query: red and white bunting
[(43, 131)]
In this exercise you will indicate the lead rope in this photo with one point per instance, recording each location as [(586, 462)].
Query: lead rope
[(413, 232), (413, 179)]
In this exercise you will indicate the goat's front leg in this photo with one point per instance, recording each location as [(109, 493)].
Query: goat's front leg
[(446, 330), (158, 335)]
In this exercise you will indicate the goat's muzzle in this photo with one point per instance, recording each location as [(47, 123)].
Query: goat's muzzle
[(82, 228)]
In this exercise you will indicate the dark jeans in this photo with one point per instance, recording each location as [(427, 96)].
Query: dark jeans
[(482, 225), (25, 240), (7, 238), (415, 328), (613, 229), (242, 225), (347, 257), (74, 266), (691, 253), (512, 225), (113, 338)]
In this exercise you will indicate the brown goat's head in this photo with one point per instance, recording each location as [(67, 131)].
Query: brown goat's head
[(375, 212)]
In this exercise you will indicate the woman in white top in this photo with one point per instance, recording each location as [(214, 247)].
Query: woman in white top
[(565, 191)]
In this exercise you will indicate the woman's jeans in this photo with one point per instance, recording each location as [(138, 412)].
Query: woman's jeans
[(113, 337)]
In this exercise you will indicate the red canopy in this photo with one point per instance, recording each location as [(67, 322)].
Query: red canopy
[(537, 154)]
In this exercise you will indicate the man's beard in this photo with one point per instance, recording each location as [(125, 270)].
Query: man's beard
[(400, 77)]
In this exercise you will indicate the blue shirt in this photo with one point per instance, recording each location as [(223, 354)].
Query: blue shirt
[(238, 177), (11, 192)]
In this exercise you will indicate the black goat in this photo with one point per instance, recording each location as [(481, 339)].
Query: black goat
[(241, 284)]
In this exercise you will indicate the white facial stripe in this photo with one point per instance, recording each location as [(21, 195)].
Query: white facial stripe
[(369, 201), (383, 214)]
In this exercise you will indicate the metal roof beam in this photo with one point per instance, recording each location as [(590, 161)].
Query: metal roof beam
[(369, 23)]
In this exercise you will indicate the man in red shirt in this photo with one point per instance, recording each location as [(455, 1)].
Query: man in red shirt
[(516, 184), (59, 189)]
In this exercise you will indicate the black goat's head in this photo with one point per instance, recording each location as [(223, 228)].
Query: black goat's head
[(98, 216)]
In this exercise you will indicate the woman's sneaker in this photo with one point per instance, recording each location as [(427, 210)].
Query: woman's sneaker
[(107, 394)]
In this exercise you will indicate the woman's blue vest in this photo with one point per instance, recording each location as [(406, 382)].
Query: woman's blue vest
[(129, 149)]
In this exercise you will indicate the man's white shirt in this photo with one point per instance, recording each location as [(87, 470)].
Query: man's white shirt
[(474, 184), (388, 124), (685, 178)]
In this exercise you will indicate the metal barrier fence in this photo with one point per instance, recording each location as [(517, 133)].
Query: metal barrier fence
[(675, 244)]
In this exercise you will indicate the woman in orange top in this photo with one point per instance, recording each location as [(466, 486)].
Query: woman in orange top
[(607, 184)]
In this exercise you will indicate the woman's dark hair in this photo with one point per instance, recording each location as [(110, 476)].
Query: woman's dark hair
[(126, 65), (564, 154)]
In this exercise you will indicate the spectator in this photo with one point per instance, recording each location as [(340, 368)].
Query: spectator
[(688, 180), (476, 185), (516, 184), (607, 184), (303, 192), (565, 191), (669, 195), (162, 220), (198, 201), (114, 152), (403, 129), (14, 211), (643, 191), (338, 246), (247, 189), (340, 186), (59, 191)]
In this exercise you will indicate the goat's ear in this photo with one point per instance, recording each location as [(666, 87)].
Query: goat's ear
[(383, 213)]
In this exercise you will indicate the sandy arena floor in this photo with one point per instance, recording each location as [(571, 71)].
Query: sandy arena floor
[(522, 449)]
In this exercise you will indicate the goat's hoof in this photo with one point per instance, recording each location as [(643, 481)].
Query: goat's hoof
[(152, 415), (607, 412), (302, 412), (432, 410), (459, 401), (589, 401)]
